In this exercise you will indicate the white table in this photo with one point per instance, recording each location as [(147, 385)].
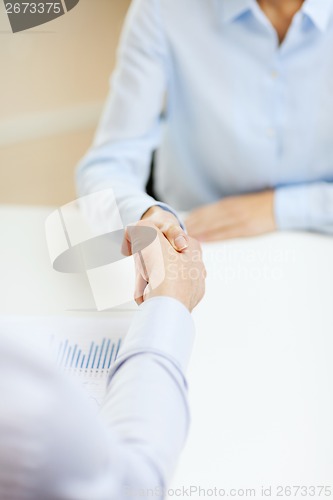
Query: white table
[(261, 375)]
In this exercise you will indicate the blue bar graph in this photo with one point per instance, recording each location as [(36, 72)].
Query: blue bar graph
[(68, 356), (110, 358), (73, 356), (94, 357)]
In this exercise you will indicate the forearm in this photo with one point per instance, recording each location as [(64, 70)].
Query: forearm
[(129, 130), (108, 166), (144, 420), (146, 405)]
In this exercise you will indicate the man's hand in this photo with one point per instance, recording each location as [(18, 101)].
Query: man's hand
[(163, 271), (168, 224), (233, 217)]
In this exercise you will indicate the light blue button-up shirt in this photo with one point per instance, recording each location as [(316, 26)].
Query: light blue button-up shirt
[(242, 113)]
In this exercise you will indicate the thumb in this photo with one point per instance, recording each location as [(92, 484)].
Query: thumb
[(176, 236)]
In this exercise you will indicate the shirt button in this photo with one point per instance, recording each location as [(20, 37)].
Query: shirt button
[(274, 75), (271, 133)]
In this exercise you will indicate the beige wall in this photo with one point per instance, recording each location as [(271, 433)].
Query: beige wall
[(54, 80)]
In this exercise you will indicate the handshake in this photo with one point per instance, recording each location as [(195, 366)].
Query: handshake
[(88, 236), (179, 273)]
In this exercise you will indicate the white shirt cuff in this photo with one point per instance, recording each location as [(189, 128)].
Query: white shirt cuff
[(164, 326)]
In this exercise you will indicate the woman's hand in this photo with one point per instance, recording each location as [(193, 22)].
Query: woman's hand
[(168, 224), (233, 217)]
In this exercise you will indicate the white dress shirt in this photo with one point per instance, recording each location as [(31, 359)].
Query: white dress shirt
[(242, 113), (52, 445)]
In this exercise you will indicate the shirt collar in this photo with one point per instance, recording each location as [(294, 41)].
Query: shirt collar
[(232, 9), (319, 11)]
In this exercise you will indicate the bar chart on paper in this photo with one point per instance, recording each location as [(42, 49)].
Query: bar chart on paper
[(95, 359), (83, 348), (88, 361)]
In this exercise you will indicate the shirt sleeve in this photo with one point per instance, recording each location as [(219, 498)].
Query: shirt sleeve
[(305, 207), (129, 129), (146, 404), (54, 446)]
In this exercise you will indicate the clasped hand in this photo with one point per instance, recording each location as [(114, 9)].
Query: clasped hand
[(233, 217)]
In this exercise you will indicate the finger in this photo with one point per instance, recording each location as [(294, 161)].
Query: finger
[(140, 287), (141, 278), (126, 248), (176, 236), (195, 244)]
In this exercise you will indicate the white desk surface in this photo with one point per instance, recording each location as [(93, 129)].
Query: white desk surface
[(261, 374)]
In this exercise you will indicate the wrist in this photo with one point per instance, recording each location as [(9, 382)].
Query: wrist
[(151, 211), (181, 295)]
